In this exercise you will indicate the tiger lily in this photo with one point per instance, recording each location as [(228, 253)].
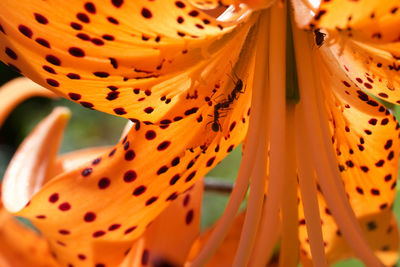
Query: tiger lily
[(163, 65)]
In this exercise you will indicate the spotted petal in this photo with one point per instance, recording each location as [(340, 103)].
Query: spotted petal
[(67, 209), (367, 20), (20, 246), (141, 61), (365, 136)]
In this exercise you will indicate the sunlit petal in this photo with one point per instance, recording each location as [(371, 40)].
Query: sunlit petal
[(148, 62), (368, 20), (89, 229), (364, 135)]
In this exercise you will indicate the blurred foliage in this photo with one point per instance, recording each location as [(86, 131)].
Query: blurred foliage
[(88, 128)]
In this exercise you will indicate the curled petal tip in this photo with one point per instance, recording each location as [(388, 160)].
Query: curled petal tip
[(61, 114), (27, 169)]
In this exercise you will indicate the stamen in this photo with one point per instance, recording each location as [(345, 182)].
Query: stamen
[(254, 206), (323, 155), (309, 195), (270, 219), (289, 252), (252, 142)]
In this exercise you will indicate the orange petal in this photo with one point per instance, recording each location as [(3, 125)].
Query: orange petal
[(363, 20), (127, 58), (28, 168), (211, 4), (100, 232), (371, 67), (169, 238), (16, 91), (20, 246), (364, 136), (81, 228)]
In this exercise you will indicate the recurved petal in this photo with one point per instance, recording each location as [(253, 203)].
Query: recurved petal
[(20, 246), (367, 20), (16, 91), (167, 241), (126, 58), (372, 67), (78, 212), (364, 135), (30, 164)]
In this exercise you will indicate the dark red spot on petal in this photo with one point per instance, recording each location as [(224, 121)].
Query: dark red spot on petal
[(89, 217), (114, 227), (90, 7), (130, 155), (86, 172), (146, 13), (151, 200), (104, 183), (98, 234), (52, 82), (42, 42), (164, 145), (83, 17), (139, 190), (54, 198), (74, 96), (189, 216), (150, 135), (11, 53), (130, 176), (149, 110), (117, 3), (40, 18), (120, 111), (76, 52), (64, 206), (25, 31)]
